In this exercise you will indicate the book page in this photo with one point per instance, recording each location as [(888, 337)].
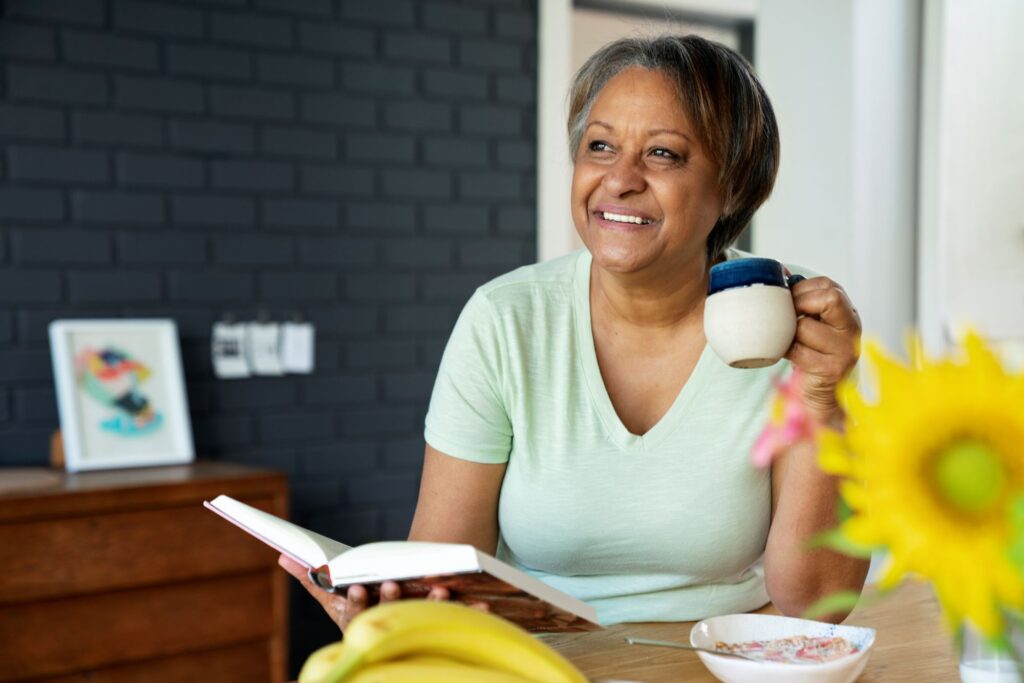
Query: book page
[(389, 560), (304, 546)]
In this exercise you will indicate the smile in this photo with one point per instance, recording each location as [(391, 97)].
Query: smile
[(623, 218)]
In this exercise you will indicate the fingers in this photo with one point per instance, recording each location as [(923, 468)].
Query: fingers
[(822, 298), (390, 591), (438, 593)]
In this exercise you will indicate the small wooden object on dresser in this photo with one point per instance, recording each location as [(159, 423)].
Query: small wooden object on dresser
[(122, 575)]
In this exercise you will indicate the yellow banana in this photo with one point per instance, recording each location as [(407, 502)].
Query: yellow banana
[(409, 628), (431, 670), (320, 663)]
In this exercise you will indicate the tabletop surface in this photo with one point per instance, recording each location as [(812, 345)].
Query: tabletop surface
[(910, 645)]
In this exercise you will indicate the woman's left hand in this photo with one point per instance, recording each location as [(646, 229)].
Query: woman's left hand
[(827, 343)]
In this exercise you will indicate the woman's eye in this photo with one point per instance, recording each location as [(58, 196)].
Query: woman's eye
[(664, 153), (598, 146)]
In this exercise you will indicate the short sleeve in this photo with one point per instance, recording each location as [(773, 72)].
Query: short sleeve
[(468, 417)]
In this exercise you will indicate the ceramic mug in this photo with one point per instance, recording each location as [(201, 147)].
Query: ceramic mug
[(749, 319)]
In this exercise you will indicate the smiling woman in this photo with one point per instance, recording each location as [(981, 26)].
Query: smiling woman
[(579, 427)]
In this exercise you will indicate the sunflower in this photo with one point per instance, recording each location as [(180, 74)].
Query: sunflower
[(933, 470)]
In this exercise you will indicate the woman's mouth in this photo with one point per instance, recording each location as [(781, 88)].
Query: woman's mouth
[(624, 222)]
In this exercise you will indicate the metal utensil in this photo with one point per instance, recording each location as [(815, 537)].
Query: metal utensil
[(684, 646)]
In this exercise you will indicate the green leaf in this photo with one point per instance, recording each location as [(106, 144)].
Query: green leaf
[(1016, 547), (843, 509), (841, 601), (835, 539)]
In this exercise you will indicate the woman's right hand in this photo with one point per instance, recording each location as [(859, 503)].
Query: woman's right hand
[(344, 608)]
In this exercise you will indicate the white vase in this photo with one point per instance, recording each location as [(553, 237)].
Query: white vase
[(979, 663)]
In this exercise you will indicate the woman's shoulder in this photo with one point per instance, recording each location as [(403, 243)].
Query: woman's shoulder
[(552, 275)]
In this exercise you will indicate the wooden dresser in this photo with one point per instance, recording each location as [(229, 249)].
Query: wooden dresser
[(122, 575)]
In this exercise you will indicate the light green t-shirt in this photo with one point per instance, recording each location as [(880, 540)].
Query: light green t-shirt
[(668, 526)]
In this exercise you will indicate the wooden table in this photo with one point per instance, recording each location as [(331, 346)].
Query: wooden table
[(911, 646)]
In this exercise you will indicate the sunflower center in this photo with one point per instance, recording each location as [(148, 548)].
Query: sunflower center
[(970, 476)]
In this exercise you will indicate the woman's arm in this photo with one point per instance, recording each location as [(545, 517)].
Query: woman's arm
[(458, 501), (803, 497)]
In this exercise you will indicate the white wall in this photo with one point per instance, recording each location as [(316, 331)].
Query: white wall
[(842, 76)]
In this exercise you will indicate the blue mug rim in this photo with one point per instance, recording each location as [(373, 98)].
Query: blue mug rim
[(744, 272)]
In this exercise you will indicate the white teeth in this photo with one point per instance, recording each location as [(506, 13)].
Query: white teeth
[(621, 218)]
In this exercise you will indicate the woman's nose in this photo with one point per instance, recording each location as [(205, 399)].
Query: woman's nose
[(624, 176)]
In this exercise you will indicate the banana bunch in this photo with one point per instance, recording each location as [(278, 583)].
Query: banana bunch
[(421, 641)]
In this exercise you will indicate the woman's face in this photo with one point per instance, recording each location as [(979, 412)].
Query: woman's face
[(645, 193)]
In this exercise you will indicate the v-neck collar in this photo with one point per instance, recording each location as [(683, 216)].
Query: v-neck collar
[(595, 382)]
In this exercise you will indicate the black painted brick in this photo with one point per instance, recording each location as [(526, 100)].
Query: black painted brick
[(455, 84), (159, 94), (256, 393), (328, 355), (408, 386), (417, 184), (251, 29), (500, 185), (456, 152), (6, 335), (44, 245), (424, 253), (57, 165), (161, 248), (296, 426), (35, 405), (343, 320), (117, 207), (403, 453), (339, 389), (381, 147), (490, 55), (516, 154), (337, 251), (252, 249), (252, 175), (120, 286), (378, 216), (337, 180), (213, 210), (491, 252), (451, 17), (297, 213), (380, 287), (355, 526), (207, 61), (57, 84), (159, 170), (17, 365), (515, 24), (158, 18), (379, 78), (456, 218), (109, 128), (517, 89), (420, 318), (25, 122), (25, 40), (23, 203), (70, 11), (298, 287), (210, 136), (517, 219), (337, 110), (454, 287), (299, 143), (256, 103), (211, 286), (382, 12), (336, 40), (21, 287), (397, 522), (105, 49), (418, 47), (291, 70), (314, 7), (418, 115), (381, 488), (221, 431), (491, 120)]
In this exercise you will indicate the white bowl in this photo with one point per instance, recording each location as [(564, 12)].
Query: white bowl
[(742, 628)]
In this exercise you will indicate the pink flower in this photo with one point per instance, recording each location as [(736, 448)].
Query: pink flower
[(789, 422)]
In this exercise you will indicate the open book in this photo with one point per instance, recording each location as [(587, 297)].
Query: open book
[(469, 575)]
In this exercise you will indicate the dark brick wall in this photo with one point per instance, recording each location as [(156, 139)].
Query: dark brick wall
[(367, 163)]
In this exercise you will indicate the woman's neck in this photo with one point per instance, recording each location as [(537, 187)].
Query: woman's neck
[(651, 300)]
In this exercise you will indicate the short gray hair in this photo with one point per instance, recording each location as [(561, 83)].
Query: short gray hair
[(724, 100)]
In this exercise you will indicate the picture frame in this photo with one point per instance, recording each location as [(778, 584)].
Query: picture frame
[(120, 393)]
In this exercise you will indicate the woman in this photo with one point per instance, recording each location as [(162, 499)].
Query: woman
[(580, 428)]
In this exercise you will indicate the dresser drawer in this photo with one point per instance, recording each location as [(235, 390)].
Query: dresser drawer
[(76, 555), (88, 632)]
